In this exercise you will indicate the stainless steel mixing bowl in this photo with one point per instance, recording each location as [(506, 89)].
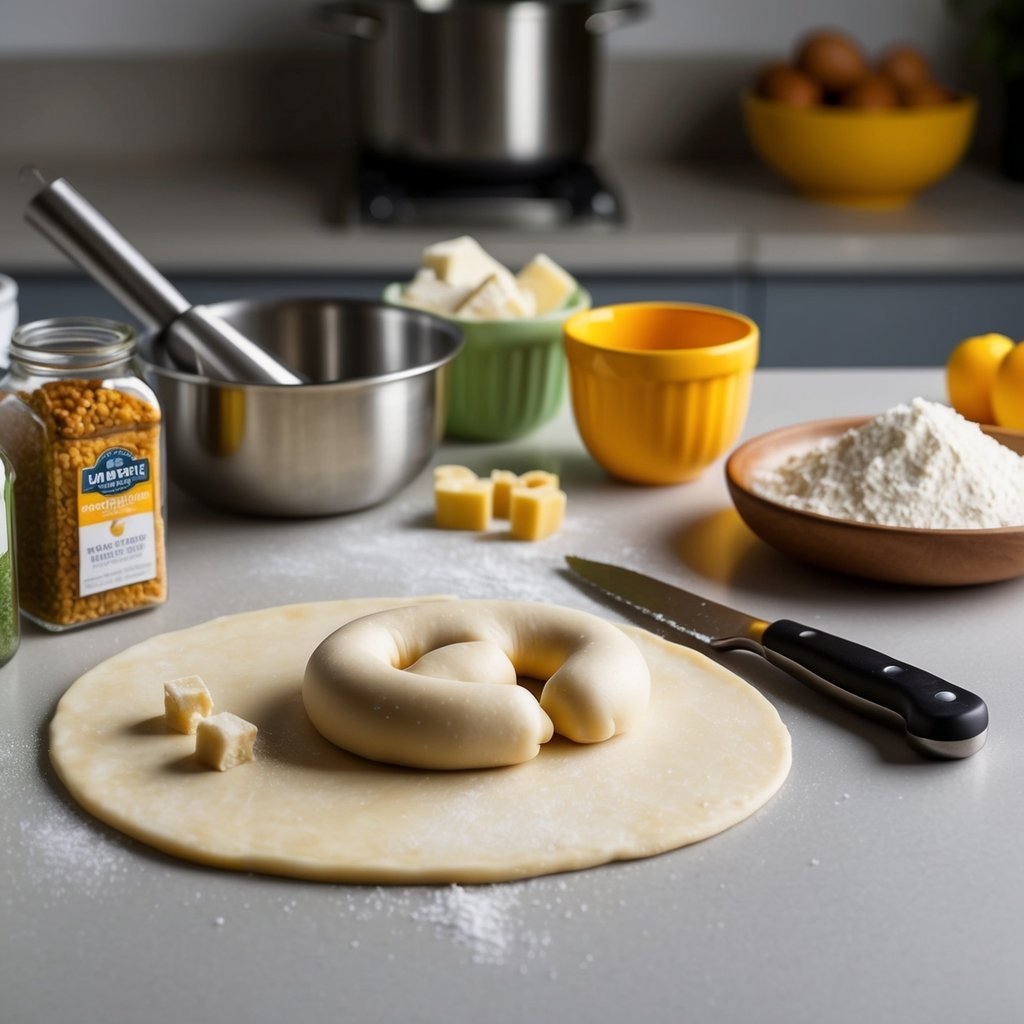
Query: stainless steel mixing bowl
[(367, 423)]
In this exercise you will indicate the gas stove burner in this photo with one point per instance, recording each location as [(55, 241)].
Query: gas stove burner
[(391, 192)]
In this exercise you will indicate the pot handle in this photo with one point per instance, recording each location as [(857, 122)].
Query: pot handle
[(349, 19), (606, 19)]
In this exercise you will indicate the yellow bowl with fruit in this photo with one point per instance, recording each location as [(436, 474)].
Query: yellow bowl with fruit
[(853, 128), (660, 389), (875, 159)]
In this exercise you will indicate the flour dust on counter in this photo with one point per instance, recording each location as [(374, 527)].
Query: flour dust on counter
[(513, 926), (400, 540), (476, 918), (67, 854), (489, 921)]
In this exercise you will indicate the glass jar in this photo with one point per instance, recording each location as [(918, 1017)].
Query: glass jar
[(9, 619), (83, 433)]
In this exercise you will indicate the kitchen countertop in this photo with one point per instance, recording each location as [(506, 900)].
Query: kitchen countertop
[(248, 216), (874, 886)]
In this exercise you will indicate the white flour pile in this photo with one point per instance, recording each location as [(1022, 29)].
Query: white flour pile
[(920, 465), (477, 918)]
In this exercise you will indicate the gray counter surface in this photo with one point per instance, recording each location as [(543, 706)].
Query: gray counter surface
[(217, 216), (874, 886)]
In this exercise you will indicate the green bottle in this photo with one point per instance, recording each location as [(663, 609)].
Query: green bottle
[(9, 619)]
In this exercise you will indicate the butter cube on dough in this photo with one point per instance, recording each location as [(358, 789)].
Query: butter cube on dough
[(224, 741), (550, 285), (504, 480), (186, 702), (537, 512), (463, 504)]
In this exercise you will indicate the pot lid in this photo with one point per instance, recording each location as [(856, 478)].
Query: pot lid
[(359, 18), (431, 6)]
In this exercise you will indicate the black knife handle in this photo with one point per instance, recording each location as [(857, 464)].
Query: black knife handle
[(945, 719)]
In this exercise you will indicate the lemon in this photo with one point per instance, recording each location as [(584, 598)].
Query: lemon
[(1008, 390), (971, 372)]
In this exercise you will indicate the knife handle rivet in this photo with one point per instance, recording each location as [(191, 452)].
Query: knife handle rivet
[(894, 670), (806, 634), (944, 695)]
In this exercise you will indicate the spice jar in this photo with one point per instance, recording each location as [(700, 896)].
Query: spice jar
[(9, 619), (83, 433)]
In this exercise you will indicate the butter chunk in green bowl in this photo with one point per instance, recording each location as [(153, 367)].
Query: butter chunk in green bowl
[(509, 378)]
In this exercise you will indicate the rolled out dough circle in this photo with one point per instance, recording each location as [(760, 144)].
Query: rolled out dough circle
[(709, 752)]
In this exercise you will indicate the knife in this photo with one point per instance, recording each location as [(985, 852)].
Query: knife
[(939, 718)]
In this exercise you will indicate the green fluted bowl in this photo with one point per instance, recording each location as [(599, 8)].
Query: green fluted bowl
[(509, 378)]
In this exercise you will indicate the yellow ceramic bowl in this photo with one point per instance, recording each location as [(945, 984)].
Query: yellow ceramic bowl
[(876, 159), (660, 389)]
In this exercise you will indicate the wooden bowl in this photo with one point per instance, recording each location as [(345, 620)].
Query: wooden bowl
[(893, 554)]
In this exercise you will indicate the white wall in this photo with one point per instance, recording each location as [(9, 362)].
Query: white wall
[(756, 26), (49, 27)]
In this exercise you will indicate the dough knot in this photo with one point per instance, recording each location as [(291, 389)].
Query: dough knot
[(435, 686)]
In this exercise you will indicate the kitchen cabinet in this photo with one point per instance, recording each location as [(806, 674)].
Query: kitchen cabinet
[(847, 320), (805, 320), (71, 294), (880, 320), (44, 295), (727, 291)]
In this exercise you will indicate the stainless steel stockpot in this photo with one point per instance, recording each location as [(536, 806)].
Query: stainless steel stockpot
[(499, 85), (367, 424)]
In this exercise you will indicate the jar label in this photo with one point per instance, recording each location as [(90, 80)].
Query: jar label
[(116, 523)]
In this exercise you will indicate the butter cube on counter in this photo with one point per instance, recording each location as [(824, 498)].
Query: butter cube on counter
[(504, 480), (462, 504), (550, 285), (536, 512), (450, 471), (539, 478), (225, 741), (187, 702), (532, 502)]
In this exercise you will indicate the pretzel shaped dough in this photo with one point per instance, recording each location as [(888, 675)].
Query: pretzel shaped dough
[(360, 694)]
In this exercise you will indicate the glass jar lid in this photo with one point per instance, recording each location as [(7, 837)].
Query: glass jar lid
[(79, 343)]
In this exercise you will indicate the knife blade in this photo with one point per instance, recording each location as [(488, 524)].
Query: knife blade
[(939, 717)]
